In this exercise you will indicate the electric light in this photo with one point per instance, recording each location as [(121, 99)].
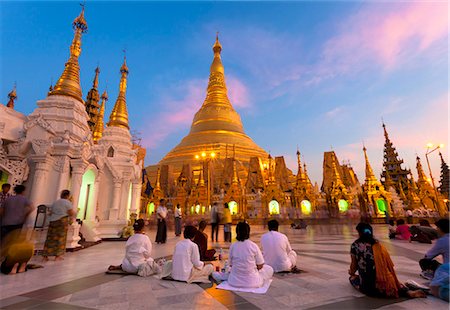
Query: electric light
[(197, 157), (430, 145), (441, 145), (203, 154), (213, 154)]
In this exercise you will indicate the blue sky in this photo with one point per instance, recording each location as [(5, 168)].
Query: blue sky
[(320, 75)]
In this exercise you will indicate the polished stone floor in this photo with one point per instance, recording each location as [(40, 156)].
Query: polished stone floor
[(79, 282)]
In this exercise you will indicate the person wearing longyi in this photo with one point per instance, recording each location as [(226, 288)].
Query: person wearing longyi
[(246, 261), (277, 250)]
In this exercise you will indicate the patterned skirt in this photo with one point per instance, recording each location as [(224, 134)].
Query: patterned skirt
[(55, 244)]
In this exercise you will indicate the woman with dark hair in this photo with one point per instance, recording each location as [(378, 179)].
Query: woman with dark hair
[(246, 261), (376, 274), (60, 213), (138, 250)]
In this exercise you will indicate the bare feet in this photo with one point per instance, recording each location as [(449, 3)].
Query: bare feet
[(112, 267), (417, 294), (58, 258), (45, 259), (14, 268), (22, 267)]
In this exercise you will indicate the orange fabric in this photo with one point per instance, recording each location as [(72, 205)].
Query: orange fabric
[(386, 279)]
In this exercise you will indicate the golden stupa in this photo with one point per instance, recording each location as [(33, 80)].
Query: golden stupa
[(216, 127)]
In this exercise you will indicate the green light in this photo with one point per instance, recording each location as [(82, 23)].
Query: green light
[(274, 207), (233, 207), (306, 207), (381, 204), (343, 205), (151, 208)]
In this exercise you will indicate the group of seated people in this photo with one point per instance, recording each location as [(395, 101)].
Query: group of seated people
[(423, 233), (371, 270)]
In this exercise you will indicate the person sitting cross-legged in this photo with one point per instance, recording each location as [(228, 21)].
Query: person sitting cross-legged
[(277, 250), (441, 247), (201, 239), (186, 263), (138, 250), (246, 261)]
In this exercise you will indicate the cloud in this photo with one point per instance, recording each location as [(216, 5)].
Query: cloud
[(334, 113), (384, 35), (238, 93)]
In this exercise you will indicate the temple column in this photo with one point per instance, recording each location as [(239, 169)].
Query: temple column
[(42, 164), (78, 169), (114, 211), (136, 187)]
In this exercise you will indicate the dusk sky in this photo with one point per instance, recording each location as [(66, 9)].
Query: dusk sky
[(320, 75)]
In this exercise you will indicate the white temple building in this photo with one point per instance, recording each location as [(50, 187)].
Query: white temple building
[(63, 144)]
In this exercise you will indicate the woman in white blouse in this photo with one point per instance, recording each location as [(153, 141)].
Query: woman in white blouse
[(138, 250), (246, 261)]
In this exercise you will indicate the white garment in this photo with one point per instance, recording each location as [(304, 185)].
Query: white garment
[(161, 211), (243, 258), (137, 251), (277, 251), (177, 212), (185, 257)]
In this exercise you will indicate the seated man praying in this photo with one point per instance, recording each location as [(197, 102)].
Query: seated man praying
[(246, 261), (277, 250), (201, 239), (186, 264)]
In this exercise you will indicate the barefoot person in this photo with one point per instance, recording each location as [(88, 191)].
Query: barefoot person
[(17, 251), (201, 239), (60, 212), (277, 250), (138, 250), (428, 264), (376, 275), (246, 261), (186, 263), (161, 214)]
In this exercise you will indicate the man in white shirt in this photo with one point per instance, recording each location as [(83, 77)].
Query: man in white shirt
[(161, 214), (277, 250), (186, 264)]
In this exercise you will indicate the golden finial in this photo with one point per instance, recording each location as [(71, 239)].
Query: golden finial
[(69, 82), (97, 133), (217, 66), (420, 173), (12, 96), (370, 176), (217, 47), (95, 83), (119, 114)]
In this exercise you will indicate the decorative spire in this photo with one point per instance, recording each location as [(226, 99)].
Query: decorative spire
[(370, 176), (97, 133), (158, 182), (444, 182), (69, 82), (235, 179), (336, 176), (299, 165), (119, 114), (12, 97), (93, 97), (420, 173), (201, 179)]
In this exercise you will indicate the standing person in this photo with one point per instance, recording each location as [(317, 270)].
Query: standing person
[(215, 220), (186, 264), (441, 247), (177, 215), (402, 232), (277, 250), (161, 214), (227, 220), (409, 216), (60, 211), (246, 261), (15, 210), (138, 250), (376, 275), (5, 193)]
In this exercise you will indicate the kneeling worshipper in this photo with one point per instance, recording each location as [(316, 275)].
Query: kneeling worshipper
[(201, 239), (17, 251), (277, 250), (186, 263), (138, 250), (376, 275), (246, 261)]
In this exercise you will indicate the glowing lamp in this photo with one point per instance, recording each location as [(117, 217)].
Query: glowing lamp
[(213, 155), (430, 145), (197, 157)]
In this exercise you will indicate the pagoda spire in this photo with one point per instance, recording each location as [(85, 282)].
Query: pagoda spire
[(119, 114), (201, 179), (444, 182), (97, 133), (420, 173), (299, 167), (336, 176), (93, 97), (12, 96), (69, 82), (370, 176), (235, 179), (158, 182)]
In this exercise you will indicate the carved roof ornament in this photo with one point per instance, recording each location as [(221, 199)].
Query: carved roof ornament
[(119, 114), (12, 96)]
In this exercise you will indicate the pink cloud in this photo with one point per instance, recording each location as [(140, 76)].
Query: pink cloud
[(388, 37), (238, 93)]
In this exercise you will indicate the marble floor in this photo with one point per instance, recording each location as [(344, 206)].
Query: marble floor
[(80, 282)]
